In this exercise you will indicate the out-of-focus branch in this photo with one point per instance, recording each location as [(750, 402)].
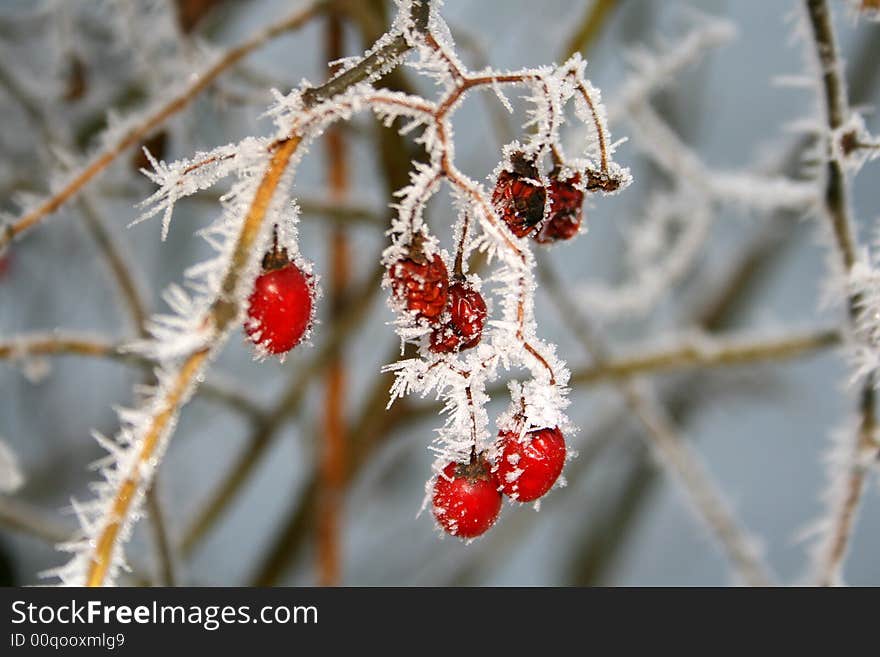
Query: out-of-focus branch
[(117, 264), (683, 463), (154, 120), (590, 27), (370, 426), (332, 438), (707, 351), (71, 344), (848, 477), (160, 535), (19, 516)]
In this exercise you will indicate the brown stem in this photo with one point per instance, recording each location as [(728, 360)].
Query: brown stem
[(839, 214), (334, 448)]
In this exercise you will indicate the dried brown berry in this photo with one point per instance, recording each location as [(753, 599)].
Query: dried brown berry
[(420, 283), (467, 317)]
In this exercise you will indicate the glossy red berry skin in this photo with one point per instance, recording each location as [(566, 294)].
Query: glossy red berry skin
[(528, 469), (467, 317), (519, 197), (279, 309), (421, 285), (566, 211), (466, 501)]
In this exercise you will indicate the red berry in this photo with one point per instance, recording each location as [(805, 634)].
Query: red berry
[(527, 469), (519, 196), (420, 284), (279, 309), (566, 211), (466, 499), (467, 316)]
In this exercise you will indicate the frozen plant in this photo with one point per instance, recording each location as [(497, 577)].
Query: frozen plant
[(468, 282), (259, 217)]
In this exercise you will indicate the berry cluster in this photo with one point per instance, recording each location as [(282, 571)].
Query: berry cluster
[(467, 496), (453, 309)]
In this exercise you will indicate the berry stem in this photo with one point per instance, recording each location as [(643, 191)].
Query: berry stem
[(458, 267)]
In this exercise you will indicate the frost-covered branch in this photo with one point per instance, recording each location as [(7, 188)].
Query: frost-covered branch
[(847, 466), (184, 343), (122, 137)]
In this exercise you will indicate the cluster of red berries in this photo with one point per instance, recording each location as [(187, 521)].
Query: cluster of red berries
[(467, 496), (519, 198), (455, 311), (280, 307)]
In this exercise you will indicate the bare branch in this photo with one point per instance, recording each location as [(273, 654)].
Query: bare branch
[(154, 120)]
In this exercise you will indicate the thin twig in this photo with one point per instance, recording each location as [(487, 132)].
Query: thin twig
[(834, 543), (160, 534), (118, 265), (154, 120), (20, 516), (332, 440)]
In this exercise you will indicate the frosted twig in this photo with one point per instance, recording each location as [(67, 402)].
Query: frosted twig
[(267, 428), (154, 119), (847, 474)]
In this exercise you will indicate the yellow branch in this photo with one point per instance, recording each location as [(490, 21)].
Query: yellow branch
[(223, 311)]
